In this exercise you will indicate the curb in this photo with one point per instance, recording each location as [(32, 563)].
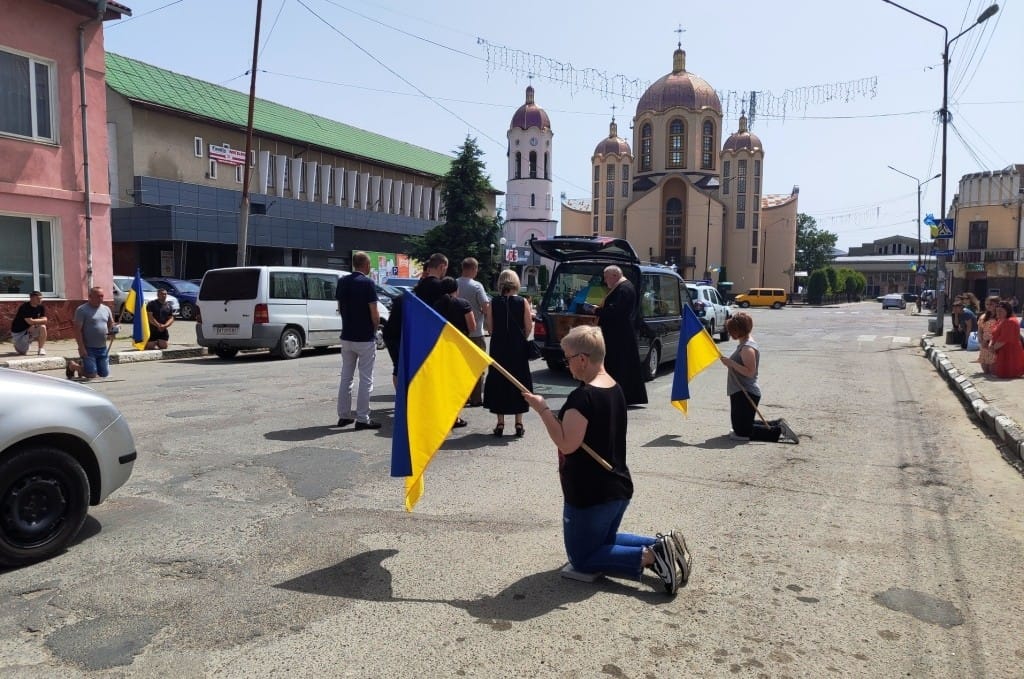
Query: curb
[(37, 364), (1000, 425)]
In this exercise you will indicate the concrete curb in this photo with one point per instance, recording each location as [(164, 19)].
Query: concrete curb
[(39, 363), (1002, 426)]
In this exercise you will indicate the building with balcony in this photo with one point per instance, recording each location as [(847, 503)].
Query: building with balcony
[(319, 188), (54, 202), (987, 244)]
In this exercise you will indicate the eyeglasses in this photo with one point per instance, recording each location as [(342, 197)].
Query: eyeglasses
[(569, 358)]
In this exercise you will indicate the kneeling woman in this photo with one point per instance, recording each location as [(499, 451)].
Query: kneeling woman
[(594, 414)]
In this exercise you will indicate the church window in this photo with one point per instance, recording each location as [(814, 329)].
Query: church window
[(609, 205), (597, 173), (595, 225), (741, 220), (707, 145), (673, 236), (533, 200), (741, 203), (741, 176), (757, 168), (609, 183), (533, 164), (676, 150), (547, 175), (609, 223), (517, 171), (625, 181), (645, 147), (726, 170)]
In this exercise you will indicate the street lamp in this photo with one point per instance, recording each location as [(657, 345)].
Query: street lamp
[(944, 113), (712, 184), (919, 185)]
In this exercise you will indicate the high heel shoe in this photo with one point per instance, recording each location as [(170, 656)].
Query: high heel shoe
[(499, 430), (520, 430)]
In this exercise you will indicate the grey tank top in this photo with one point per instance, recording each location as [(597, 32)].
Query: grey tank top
[(735, 380)]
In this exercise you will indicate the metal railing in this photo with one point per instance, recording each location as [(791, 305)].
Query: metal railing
[(989, 255)]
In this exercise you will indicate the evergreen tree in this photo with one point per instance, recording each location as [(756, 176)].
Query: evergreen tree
[(467, 230), (814, 246)]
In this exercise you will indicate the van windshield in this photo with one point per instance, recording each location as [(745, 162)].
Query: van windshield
[(230, 284)]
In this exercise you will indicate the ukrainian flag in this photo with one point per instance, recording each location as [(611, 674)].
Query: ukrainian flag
[(697, 350), (437, 369), (136, 304)]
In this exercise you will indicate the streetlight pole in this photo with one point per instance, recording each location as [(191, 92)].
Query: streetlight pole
[(712, 184), (944, 114), (919, 185)]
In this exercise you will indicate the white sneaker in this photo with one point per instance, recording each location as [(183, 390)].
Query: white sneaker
[(685, 560), (787, 432), (733, 436), (42, 352)]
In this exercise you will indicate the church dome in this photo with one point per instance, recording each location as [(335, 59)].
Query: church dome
[(530, 115), (613, 144), (679, 88), (742, 140)]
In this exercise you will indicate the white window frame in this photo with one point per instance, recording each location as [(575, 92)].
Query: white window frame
[(51, 66), (239, 173), (212, 171), (56, 264), (252, 158), (197, 146)]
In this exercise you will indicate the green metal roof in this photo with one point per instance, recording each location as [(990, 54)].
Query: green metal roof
[(145, 83)]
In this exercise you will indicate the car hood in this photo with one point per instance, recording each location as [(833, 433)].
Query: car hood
[(573, 248)]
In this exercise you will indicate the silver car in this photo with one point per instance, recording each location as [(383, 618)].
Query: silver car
[(63, 447), (894, 301)]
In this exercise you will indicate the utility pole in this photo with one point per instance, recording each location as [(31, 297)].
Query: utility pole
[(919, 185), (243, 210)]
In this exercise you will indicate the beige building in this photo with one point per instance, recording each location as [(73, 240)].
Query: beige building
[(683, 197)]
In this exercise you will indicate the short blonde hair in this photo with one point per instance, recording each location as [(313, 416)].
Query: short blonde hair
[(585, 339), (508, 281)]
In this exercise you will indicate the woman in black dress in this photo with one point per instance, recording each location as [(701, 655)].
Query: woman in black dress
[(510, 322)]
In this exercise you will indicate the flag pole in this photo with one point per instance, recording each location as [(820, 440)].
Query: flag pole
[(519, 385)]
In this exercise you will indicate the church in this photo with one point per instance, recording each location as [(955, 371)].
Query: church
[(684, 198)]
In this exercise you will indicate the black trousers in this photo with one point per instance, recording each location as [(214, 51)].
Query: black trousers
[(743, 412)]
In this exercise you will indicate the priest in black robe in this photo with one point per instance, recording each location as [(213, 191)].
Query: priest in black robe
[(617, 317)]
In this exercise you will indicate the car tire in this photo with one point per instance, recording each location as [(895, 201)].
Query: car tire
[(652, 362), (290, 345), (777, 305), (44, 498), (188, 312), (225, 352), (378, 336), (744, 305)]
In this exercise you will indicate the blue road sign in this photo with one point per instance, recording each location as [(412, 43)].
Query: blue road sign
[(943, 253)]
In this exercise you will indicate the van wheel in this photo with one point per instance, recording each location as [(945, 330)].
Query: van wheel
[(777, 305), (290, 344), (225, 352), (744, 304), (652, 363), (44, 497)]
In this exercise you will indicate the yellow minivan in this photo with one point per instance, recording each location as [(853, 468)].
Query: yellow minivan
[(776, 298)]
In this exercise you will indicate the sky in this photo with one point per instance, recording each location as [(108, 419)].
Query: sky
[(845, 89)]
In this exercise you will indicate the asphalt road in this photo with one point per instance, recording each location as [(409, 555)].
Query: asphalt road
[(255, 539)]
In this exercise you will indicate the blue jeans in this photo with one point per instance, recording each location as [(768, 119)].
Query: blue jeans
[(96, 362), (593, 543)]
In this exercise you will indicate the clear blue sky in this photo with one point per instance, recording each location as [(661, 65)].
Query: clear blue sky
[(836, 151)]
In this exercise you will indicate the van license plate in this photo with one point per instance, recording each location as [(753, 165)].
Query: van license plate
[(225, 329)]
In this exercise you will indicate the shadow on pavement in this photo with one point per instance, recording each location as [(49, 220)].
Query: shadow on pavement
[(364, 577), (302, 434)]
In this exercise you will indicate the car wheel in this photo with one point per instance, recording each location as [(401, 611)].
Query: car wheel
[(652, 363), (44, 497), (777, 305), (290, 344), (188, 311), (379, 336), (744, 305), (225, 352)]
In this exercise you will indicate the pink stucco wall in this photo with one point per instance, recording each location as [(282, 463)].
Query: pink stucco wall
[(45, 179)]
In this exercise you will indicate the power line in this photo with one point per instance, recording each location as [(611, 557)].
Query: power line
[(139, 16), (271, 31)]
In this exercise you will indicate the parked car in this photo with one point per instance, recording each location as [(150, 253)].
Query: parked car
[(123, 284), (894, 301), (186, 292), (776, 298), (63, 447), (577, 281), (710, 308), (404, 284), (281, 308)]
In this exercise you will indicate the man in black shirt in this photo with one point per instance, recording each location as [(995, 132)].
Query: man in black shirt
[(429, 287), (357, 304), (30, 324), (160, 315)]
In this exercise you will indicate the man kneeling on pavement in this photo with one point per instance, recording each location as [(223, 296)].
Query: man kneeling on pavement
[(29, 325)]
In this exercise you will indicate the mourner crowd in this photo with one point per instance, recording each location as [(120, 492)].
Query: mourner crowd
[(993, 330)]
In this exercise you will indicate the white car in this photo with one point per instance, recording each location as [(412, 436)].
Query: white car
[(894, 301), (122, 286), (63, 447), (710, 308)]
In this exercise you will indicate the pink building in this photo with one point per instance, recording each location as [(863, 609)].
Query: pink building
[(54, 188)]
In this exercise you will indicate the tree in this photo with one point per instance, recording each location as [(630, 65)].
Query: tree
[(816, 286), (833, 280), (467, 230), (814, 246)]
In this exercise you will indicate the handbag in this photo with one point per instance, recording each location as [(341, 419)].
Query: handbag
[(532, 350), (972, 341)]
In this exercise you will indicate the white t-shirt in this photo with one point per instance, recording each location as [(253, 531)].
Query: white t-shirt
[(473, 292)]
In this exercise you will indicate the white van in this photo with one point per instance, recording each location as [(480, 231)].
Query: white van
[(281, 308)]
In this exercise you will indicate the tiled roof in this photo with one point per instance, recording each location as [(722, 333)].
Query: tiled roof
[(145, 83), (776, 199)]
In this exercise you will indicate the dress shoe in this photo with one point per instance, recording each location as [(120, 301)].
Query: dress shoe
[(345, 421), (368, 425)]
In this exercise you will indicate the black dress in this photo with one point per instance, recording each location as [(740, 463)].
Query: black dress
[(508, 348), (617, 320)]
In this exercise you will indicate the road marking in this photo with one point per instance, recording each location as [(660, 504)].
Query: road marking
[(901, 340), (866, 338)]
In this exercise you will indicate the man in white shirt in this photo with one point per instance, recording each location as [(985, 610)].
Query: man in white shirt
[(473, 292)]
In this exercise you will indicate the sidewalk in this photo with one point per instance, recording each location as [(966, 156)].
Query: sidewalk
[(182, 344), (998, 403)]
